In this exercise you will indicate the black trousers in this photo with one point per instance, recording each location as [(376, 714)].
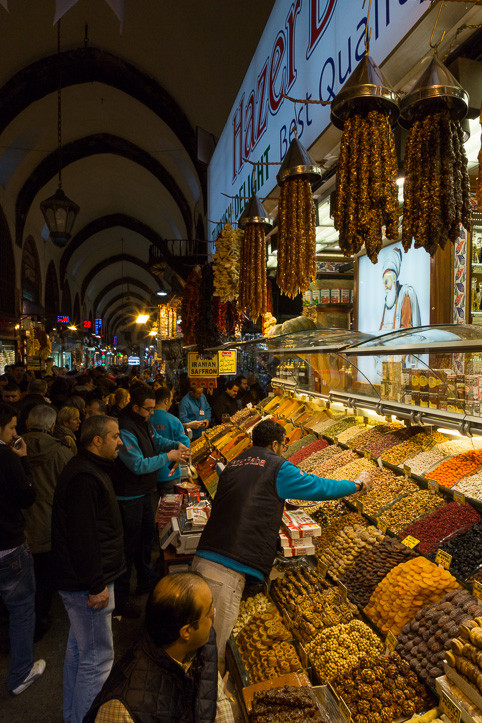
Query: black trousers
[(45, 586), (139, 530)]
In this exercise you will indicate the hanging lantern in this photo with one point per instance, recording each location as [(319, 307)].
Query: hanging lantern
[(253, 293), (296, 266), (437, 186), (366, 189), (59, 213)]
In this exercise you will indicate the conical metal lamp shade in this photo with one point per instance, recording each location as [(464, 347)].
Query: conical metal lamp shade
[(298, 162), (366, 85), (436, 83), (254, 213)]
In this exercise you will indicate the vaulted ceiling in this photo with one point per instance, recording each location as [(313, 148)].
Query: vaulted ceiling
[(132, 104)]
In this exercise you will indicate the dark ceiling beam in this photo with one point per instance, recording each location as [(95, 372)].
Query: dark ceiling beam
[(127, 282), (126, 295), (90, 146), (102, 224), (90, 65), (117, 258)]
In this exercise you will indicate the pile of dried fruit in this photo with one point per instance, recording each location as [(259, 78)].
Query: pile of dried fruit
[(466, 551), (350, 542), (405, 590), (436, 194), (253, 293), (366, 192), (441, 524), (452, 470), (226, 263), (296, 237)]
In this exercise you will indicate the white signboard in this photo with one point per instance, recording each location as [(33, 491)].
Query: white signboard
[(308, 50)]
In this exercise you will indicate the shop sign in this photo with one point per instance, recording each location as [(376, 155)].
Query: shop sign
[(63, 319), (34, 363), (98, 327), (87, 324), (202, 366), (133, 361), (308, 50), (227, 362)]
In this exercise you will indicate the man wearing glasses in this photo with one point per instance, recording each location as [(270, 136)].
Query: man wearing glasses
[(171, 673), (143, 454), (241, 536)]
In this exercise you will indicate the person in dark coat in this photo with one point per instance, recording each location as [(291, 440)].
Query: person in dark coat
[(37, 394), (171, 674), (226, 403)]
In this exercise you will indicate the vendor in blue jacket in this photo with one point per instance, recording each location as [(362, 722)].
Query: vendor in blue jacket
[(167, 425), (134, 476), (194, 411), (241, 536)]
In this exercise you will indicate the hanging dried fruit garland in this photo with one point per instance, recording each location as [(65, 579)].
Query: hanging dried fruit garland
[(190, 306), (296, 237), (253, 297), (366, 192), (206, 332), (437, 186), (226, 263)]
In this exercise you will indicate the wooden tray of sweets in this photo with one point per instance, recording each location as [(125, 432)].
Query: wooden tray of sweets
[(296, 679)]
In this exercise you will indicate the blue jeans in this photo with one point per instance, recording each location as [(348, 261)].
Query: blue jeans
[(90, 652), (17, 588)]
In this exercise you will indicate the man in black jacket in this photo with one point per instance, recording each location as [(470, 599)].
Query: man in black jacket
[(226, 402), (134, 476), (171, 674), (88, 552), (17, 581)]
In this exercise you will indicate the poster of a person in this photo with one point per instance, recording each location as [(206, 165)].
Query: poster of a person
[(401, 309)]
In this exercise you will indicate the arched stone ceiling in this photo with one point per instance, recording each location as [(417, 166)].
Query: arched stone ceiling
[(117, 269), (124, 283)]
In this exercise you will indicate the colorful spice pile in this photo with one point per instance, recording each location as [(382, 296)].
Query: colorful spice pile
[(466, 551), (337, 649), (371, 435), (304, 453), (370, 569), (296, 263), (381, 688), (351, 432), (334, 429), (425, 640), (411, 507), (351, 470), (405, 590), (299, 444), (440, 524), (387, 441), (330, 465), (452, 470)]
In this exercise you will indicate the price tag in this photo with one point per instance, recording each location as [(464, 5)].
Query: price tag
[(433, 485), (406, 470), (459, 497), (390, 642), (322, 568), (382, 526), (410, 541), (477, 590), (343, 592), (344, 710), (367, 454), (359, 505), (443, 558), (303, 657), (449, 708)]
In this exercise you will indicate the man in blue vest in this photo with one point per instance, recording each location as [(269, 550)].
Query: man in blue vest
[(167, 425), (194, 411), (241, 536)]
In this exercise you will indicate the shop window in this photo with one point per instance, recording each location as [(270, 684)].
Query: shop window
[(30, 272)]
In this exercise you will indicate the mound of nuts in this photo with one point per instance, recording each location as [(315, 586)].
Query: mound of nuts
[(387, 487), (351, 470), (425, 640), (410, 508), (337, 649), (406, 589), (379, 689)]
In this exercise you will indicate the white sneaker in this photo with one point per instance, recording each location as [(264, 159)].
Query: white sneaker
[(37, 669)]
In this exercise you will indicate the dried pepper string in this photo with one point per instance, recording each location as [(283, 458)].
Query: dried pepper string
[(252, 280)]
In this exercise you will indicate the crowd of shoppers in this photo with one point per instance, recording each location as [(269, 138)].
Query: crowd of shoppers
[(78, 491)]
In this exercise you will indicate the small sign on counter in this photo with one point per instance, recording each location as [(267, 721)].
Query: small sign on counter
[(451, 710), (443, 558), (390, 642), (410, 541)]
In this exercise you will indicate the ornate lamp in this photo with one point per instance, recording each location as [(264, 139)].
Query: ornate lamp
[(58, 210)]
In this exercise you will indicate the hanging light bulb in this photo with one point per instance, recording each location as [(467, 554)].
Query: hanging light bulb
[(58, 210)]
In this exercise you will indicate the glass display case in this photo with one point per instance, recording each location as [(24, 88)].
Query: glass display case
[(475, 264), (429, 374)]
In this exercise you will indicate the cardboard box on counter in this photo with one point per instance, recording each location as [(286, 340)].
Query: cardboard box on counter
[(298, 524)]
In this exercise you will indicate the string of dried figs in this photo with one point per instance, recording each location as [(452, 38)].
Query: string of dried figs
[(437, 187), (253, 293), (366, 193), (296, 237)]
